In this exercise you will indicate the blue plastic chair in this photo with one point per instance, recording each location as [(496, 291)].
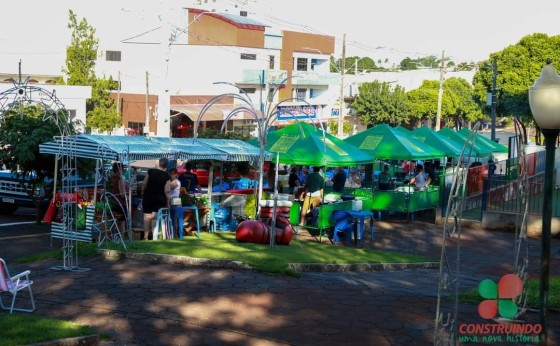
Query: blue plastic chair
[(344, 223)]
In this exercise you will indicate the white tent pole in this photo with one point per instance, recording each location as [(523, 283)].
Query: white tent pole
[(274, 205)]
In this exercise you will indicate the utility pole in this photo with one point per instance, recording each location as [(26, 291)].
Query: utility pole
[(494, 73), (440, 93), (342, 71), (147, 123), (119, 98)]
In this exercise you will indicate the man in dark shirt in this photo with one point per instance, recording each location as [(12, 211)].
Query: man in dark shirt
[(189, 180), (339, 180), (315, 183)]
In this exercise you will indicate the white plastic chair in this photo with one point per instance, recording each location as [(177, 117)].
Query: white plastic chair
[(14, 284)]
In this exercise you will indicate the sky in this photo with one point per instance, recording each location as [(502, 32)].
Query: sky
[(465, 30)]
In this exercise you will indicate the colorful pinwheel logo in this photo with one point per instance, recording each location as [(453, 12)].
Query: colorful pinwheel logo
[(500, 298)]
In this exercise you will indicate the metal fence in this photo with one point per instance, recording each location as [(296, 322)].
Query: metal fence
[(495, 187)]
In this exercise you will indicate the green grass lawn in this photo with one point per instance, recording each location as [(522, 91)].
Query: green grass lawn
[(25, 329), (222, 245), (472, 296), (269, 260)]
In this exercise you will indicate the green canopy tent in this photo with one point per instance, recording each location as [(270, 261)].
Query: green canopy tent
[(480, 149), (402, 129), (498, 148), (428, 136), (384, 142), (303, 144)]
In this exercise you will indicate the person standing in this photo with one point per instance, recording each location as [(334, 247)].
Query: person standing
[(302, 175), (339, 180), (314, 196), (155, 193), (421, 180), (174, 197), (293, 180), (189, 180), (384, 180)]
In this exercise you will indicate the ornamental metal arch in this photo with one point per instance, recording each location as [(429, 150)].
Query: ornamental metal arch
[(264, 122), (446, 320), (22, 95)]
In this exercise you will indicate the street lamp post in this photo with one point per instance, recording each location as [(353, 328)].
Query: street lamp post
[(544, 100)]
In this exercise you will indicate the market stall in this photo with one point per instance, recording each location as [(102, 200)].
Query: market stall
[(303, 144), (103, 149), (385, 142)]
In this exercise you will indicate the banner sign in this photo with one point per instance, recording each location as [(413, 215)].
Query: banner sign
[(297, 112)]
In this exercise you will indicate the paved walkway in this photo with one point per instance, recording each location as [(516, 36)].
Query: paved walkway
[(144, 304)]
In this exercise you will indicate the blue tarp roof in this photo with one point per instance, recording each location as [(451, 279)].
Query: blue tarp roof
[(132, 148)]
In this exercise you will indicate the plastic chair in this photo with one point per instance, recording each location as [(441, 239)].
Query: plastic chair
[(344, 223), (14, 284), (163, 225)]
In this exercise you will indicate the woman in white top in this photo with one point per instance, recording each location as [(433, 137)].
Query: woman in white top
[(174, 200)]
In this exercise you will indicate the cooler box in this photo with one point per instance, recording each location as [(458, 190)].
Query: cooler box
[(223, 218)]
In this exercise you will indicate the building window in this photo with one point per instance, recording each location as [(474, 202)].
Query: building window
[(245, 56), (113, 55), (243, 13), (244, 130), (301, 93), (248, 90), (301, 64), (271, 62), (135, 128), (72, 114)]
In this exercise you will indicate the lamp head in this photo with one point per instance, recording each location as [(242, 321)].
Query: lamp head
[(544, 98)]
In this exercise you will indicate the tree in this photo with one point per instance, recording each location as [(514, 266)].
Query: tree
[(461, 101), (518, 67), (364, 64), (457, 102), (20, 136), (423, 101), (21, 133), (379, 103), (81, 55), (332, 126)]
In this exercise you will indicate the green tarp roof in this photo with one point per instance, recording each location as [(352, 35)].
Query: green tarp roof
[(384, 142), (479, 149), (498, 148), (428, 136), (303, 144)]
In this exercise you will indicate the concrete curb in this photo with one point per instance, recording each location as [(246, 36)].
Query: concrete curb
[(236, 265), (87, 340), (177, 260), (360, 267)]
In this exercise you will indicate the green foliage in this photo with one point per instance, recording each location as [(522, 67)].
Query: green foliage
[(457, 104), (20, 135), (213, 133), (332, 126), (430, 61), (464, 66), (81, 55), (26, 329), (518, 67), (379, 103), (365, 64), (460, 95), (103, 113)]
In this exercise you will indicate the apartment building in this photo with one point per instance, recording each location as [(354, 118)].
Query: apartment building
[(184, 68)]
